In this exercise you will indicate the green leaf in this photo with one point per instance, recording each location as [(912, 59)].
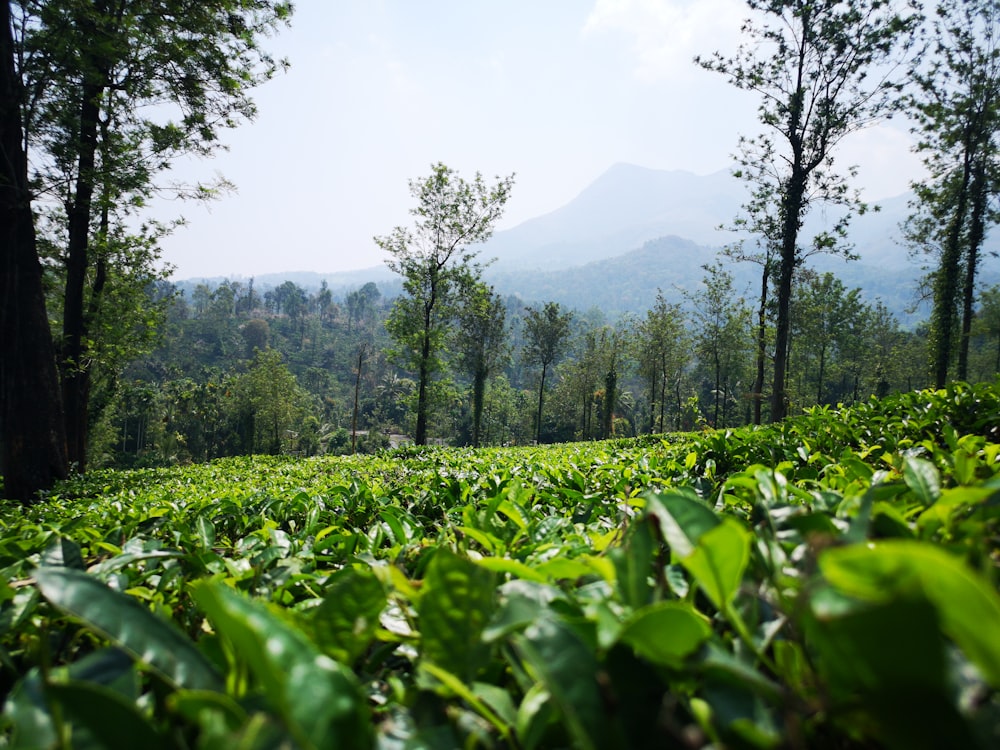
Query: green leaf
[(205, 530), (345, 622), (719, 561), (888, 660), (665, 633), (64, 553), (633, 566), (520, 603), (968, 606), (317, 698), (513, 567), (682, 519), (456, 687), (456, 603), (568, 670), (110, 719), (129, 625), (923, 478)]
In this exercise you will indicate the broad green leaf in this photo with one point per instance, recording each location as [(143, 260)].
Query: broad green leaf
[(63, 553), (568, 669), (923, 478), (682, 519), (195, 704), (514, 513), (719, 561), (456, 687), (887, 659), (533, 715), (521, 601), (456, 603), (665, 633), (634, 565), (129, 625), (112, 721), (205, 530), (514, 567), (968, 606), (345, 622), (317, 698)]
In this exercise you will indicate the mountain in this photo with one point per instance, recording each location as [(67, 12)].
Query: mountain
[(624, 208), (635, 230)]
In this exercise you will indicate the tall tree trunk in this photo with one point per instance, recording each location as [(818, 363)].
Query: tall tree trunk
[(420, 434), (946, 281), (979, 193), (541, 399), (758, 383), (74, 369), (32, 441), (610, 397), (478, 398), (362, 351), (791, 212)]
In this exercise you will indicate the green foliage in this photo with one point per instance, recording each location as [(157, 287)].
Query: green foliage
[(436, 264), (828, 581)]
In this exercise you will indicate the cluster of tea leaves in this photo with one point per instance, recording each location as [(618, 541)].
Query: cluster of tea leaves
[(827, 582)]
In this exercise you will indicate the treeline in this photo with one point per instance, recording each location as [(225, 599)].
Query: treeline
[(284, 370)]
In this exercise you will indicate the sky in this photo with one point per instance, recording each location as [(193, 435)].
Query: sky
[(554, 91)]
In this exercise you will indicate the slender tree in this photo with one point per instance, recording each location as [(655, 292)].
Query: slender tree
[(118, 89), (722, 336), (823, 69), (434, 260), (957, 111), (545, 334), (32, 434), (661, 350), (481, 344)]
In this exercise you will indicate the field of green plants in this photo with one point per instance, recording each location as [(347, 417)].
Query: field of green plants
[(830, 582)]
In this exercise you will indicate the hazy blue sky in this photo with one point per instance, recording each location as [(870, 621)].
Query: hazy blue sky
[(554, 90)]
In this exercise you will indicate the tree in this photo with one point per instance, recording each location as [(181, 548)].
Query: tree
[(119, 88), (988, 320), (545, 335), (33, 438), (434, 260), (822, 70), (827, 317), (662, 352), (481, 343), (270, 402), (721, 337), (957, 111)]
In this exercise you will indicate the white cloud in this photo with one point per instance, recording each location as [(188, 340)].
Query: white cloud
[(667, 34)]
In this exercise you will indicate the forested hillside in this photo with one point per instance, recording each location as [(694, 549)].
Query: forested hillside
[(242, 370)]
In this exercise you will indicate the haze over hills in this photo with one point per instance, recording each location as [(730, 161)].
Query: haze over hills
[(635, 230)]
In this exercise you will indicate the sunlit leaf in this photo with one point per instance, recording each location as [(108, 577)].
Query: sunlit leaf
[(129, 625)]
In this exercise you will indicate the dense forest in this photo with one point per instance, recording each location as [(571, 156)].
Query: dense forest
[(240, 369)]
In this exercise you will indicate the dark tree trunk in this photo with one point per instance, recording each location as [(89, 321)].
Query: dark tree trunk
[(977, 232), (946, 282), (610, 397), (758, 383), (541, 399), (362, 351), (478, 398), (420, 434), (31, 428), (791, 212), (74, 370)]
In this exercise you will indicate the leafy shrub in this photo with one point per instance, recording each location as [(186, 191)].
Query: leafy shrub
[(827, 582)]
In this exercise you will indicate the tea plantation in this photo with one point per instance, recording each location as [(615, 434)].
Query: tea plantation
[(829, 582)]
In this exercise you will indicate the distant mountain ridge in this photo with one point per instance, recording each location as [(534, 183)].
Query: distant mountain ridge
[(635, 230)]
